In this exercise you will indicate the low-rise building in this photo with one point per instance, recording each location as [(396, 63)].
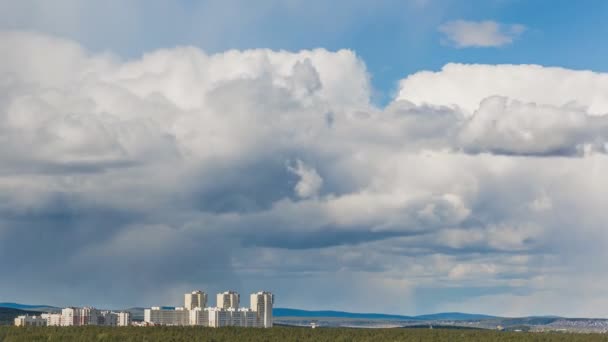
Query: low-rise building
[(107, 318), (30, 321), (74, 316), (246, 318), (167, 316), (52, 319), (199, 316), (220, 317)]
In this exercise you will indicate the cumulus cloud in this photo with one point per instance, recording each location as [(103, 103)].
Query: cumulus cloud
[(509, 126), (462, 33), (465, 85), (310, 182), (257, 168)]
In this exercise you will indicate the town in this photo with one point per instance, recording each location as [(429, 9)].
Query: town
[(194, 312)]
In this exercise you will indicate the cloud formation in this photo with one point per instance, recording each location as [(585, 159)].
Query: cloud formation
[(466, 85), (487, 33), (272, 169), (310, 182), (509, 126)]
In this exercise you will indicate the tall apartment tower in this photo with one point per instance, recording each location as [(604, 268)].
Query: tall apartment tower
[(124, 319), (195, 299), (228, 299), (261, 302)]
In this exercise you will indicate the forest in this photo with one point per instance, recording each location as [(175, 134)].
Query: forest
[(282, 334)]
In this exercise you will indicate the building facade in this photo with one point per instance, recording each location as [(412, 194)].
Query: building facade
[(30, 321), (79, 316), (246, 318), (262, 302), (107, 318), (52, 319), (74, 316), (228, 299), (226, 313), (195, 299), (220, 317), (124, 319), (84, 316), (167, 316), (199, 316)]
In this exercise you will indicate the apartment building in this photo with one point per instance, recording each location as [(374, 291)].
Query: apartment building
[(261, 303), (228, 299), (79, 316), (167, 316), (195, 299), (74, 316), (124, 319), (199, 316), (226, 313), (30, 321), (52, 319)]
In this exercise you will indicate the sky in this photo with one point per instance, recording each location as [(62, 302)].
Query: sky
[(403, 157)]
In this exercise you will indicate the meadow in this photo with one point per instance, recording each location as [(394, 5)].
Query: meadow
[(279, 334)]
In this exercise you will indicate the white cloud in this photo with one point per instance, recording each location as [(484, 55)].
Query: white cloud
[(466, 270), (462, 33), (186, 152), (310, 182), (508, 126), (466, 85), (541, 203)]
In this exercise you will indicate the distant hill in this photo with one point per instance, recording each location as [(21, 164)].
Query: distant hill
[(438, 326), (285, 312), (28, 307), (138, 313), (454, 316), (447, 316), (7, 315), (535, 320)]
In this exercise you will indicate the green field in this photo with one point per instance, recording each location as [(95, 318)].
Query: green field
[(149, 334)]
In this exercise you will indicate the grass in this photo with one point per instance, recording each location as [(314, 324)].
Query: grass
[(282, 334)]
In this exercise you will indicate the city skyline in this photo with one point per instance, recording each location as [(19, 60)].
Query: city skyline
[(448, 155), (194, 312), (226, 312)]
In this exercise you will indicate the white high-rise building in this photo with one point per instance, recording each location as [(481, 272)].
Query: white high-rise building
[(69, 316), (124, 319), (261, 302), (195, 299), (226, 313), (79, 316), (228, 300), (167, 316)]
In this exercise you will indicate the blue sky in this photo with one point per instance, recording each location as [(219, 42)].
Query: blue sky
[(394, 38), (326, 151)]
